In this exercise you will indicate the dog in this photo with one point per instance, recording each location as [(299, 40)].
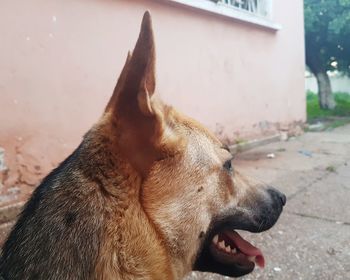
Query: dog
[(148, 194)]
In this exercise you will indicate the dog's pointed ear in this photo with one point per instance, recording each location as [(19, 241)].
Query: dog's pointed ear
[(119, 85), (137, 81), (137, 115)]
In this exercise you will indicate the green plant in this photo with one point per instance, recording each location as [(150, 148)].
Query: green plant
[(327, 43), (331, 168), (314, 112)]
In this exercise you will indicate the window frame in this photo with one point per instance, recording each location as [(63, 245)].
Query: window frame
[(225, 10)]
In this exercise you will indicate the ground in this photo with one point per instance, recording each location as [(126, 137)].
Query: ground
[(312, 238)]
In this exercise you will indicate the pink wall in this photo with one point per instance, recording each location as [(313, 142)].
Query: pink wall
[(60, 60)]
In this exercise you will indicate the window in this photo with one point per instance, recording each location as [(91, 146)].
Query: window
[(256, 7), (257, 12)]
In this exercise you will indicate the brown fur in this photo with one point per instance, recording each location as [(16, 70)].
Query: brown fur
[(137, 198)]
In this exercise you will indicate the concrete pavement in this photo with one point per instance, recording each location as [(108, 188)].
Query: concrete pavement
[(312, 238)]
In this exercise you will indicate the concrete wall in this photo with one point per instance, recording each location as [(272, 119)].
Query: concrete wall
[(60, 60)]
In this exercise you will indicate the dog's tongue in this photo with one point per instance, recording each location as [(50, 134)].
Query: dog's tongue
[(246, 248)]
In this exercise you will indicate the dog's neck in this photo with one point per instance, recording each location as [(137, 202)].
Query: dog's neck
[(137, 253), (132, 254)]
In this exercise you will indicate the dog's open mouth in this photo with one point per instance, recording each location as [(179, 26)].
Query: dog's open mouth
[(227, 253), (230, 248)]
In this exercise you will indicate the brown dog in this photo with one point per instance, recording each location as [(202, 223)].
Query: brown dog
[(148, 194)]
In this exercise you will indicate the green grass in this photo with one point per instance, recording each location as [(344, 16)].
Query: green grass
[(341, 111), (331, 168), (240, 141)]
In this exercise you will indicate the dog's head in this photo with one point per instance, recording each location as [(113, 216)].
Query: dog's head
[(190, 191)]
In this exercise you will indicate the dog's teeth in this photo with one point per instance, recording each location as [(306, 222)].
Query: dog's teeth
[(216, 239), (228, 249), (234, 251), (251, 258), (222, 244)]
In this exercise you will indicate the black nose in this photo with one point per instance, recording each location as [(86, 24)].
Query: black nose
[(278, 195), (283, 198)]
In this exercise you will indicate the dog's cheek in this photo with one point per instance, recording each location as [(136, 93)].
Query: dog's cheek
[(179, 208)]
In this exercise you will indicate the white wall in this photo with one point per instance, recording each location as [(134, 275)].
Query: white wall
[(339, 84)]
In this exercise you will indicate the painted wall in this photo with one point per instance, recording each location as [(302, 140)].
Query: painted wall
[(60, 60)]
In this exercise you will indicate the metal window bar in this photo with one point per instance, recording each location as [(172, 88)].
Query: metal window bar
[(257, 7)]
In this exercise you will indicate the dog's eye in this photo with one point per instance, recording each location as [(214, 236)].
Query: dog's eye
[(228, 165)]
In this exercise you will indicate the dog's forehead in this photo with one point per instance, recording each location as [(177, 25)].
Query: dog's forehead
[(202, 145), (194, 128)]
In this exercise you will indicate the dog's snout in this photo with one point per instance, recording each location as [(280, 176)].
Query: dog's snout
[(276, 194)]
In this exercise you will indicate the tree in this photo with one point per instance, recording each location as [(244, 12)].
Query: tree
[(327, 43)]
